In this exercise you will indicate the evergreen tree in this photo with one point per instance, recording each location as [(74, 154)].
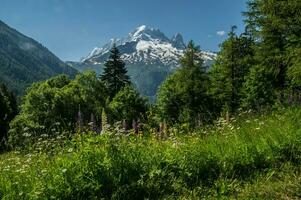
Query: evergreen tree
[(115, 74), (184, 97), (277, 26), (228, 73)]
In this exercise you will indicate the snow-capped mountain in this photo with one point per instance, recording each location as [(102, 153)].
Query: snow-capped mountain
[(150, 56), (145, 45)]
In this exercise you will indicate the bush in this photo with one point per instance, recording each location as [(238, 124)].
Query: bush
[(128, 105), (53, 105)]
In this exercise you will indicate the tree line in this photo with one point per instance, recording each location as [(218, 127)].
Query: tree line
[(256, 69)]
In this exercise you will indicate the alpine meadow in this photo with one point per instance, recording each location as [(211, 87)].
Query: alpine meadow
[(149, 115)]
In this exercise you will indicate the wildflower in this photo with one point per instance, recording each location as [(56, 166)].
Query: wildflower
[(64, 170)]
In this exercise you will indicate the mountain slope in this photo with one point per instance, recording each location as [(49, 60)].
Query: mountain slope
[(149, 55), (24, 61)]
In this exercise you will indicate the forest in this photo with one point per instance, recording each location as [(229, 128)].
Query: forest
[(232, 131)]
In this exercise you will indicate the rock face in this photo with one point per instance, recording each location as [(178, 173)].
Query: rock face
[(24, 61), (149, 56)]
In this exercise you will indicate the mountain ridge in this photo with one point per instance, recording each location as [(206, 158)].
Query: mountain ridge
[(145, 44), (150, 56), (24, 60)]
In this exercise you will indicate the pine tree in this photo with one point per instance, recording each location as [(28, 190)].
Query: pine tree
[(277, 28), (183, 97), (228, 73), (115, 74)]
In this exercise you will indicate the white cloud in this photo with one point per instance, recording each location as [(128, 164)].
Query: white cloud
[(221, 33)]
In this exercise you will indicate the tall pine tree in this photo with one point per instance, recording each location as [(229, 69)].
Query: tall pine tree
[(277, 27), (183, 97), (228, 73), (115, 74)]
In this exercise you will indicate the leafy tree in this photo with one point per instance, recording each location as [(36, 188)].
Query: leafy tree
[(183, 97), (128, 105), (115, 74), (8, 110), (229, 72), (53, 105)]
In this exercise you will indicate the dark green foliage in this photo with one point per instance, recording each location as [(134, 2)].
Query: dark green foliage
[(115, 75), (24, 61), (294, 72), (262, 151), (8, 110), (184, 97), (259, 91), (52, 106), (229, 72), (276, 27), (128, 105)]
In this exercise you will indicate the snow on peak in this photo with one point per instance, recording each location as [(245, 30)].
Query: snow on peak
[(146, 45), (139, 30), (94, 52)]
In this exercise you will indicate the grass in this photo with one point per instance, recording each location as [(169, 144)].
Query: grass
[(254, 157)]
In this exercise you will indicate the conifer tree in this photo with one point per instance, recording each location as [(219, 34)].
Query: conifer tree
[(183, 97), (228, 73), (115, 74), (277, 26)]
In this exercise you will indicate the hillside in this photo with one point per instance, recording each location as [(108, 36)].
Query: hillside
[(253, 157), (24, 61)]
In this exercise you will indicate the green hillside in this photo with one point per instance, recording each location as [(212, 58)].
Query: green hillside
[(24, 61)]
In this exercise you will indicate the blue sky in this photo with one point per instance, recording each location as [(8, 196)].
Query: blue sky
[(71, 28)]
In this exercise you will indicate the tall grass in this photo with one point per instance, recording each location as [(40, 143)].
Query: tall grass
[(226, 161)]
